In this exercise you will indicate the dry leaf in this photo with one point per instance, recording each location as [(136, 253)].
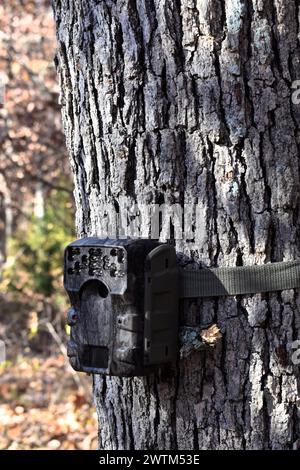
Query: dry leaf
[(211, 335)]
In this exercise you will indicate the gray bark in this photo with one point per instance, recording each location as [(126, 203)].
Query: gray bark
[(168, 101)]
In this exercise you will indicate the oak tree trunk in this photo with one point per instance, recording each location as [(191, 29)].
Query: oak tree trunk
[(181, 100)]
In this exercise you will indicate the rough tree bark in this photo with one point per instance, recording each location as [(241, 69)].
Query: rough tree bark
[(172, 100)]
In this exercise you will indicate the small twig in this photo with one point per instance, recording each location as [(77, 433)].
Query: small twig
[(63, 350)]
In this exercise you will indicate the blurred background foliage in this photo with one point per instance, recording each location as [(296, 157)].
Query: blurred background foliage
[(34, 264), (43, 403)]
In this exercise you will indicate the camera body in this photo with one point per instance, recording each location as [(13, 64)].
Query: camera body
[(124, 297)]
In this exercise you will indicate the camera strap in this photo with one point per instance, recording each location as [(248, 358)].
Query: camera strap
[(238, 280)]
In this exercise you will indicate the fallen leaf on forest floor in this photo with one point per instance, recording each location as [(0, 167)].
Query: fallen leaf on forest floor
[(41, 407)]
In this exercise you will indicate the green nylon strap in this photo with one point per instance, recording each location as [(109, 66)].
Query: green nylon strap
[(214, 282)]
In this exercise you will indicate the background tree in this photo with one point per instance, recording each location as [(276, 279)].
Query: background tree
[(34, 170), (168, 101), (33, 158), (43, 403)]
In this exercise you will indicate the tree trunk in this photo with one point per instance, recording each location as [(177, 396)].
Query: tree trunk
[(6, 219), (182, 101), (2, 231)]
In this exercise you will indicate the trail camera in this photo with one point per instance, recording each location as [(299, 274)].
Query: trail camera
[(124, 296)]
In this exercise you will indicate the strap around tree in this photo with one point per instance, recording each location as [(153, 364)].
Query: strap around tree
[(214, 282)]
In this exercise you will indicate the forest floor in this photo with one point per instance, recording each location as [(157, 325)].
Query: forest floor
[(43, 403)]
